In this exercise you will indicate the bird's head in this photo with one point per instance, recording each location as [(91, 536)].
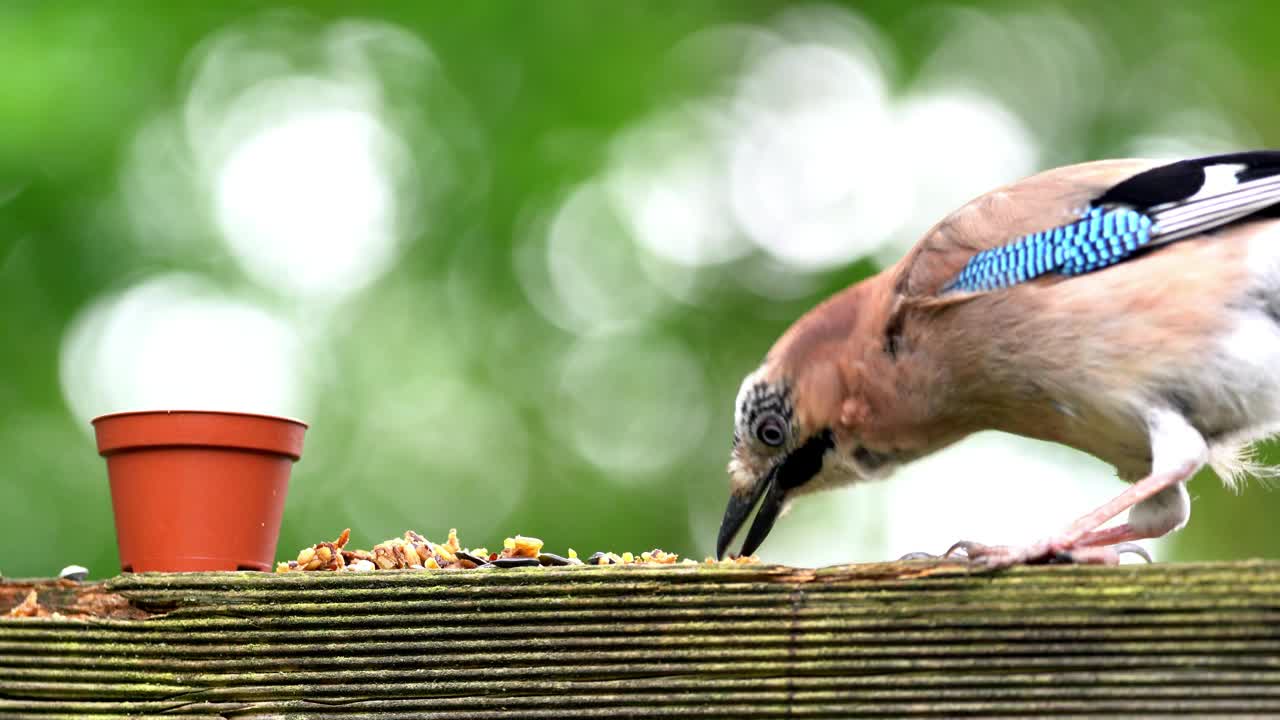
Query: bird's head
[(800, 423)]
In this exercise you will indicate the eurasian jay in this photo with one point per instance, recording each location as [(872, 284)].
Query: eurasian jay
[(1126, 308)]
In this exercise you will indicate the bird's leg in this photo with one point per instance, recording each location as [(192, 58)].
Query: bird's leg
[(1178, 451), (1154, 517), (1111, 536), (1082, 542), (1124, 534)]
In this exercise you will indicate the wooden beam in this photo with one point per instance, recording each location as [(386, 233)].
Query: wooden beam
[(896, 639)]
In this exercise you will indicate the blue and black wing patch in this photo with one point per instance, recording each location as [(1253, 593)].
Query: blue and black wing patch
[(1152, 208), (1102, 238)]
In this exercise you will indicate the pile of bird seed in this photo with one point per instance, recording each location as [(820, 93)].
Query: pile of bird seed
[(415, 552)]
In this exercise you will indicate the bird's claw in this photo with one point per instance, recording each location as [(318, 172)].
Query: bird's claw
[(1133, 548), (917, 556), (1042, 553), (969, 549)]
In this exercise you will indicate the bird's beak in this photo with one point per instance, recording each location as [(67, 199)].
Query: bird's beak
[(793, 471), (740, 506)]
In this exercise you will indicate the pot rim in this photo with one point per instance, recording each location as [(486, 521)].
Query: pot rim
[(175, 411)]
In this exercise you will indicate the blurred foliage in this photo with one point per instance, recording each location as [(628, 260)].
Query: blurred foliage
[(528, 100)]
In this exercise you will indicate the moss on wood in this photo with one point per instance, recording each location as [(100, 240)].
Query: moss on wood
[(893, 639)]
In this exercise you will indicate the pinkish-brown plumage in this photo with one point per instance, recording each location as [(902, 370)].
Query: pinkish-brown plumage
[(1157, 364)]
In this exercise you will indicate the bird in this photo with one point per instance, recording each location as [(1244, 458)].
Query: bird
[(1127, 308)]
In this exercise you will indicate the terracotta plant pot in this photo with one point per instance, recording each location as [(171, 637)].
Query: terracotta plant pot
[(197, 490)]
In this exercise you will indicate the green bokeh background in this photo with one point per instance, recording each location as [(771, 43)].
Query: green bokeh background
[(528, 97)]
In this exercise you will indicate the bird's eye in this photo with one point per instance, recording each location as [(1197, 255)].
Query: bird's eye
[(771, 431)]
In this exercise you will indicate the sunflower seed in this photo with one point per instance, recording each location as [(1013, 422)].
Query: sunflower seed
[(514, 562)]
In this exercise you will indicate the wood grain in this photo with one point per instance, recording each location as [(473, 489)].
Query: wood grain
[(917, 639)]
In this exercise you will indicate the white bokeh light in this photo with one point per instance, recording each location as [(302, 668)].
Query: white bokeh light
[(307, 203), (961, 144), (668, 180), (812, 176), (1189, 133), (771, 279), (301, 146), (580, 269), (809, 157), (176, 342), (162, 190), (1040, 62), (632, 406)]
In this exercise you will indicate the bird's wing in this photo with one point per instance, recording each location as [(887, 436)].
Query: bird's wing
[(1082, 218)]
